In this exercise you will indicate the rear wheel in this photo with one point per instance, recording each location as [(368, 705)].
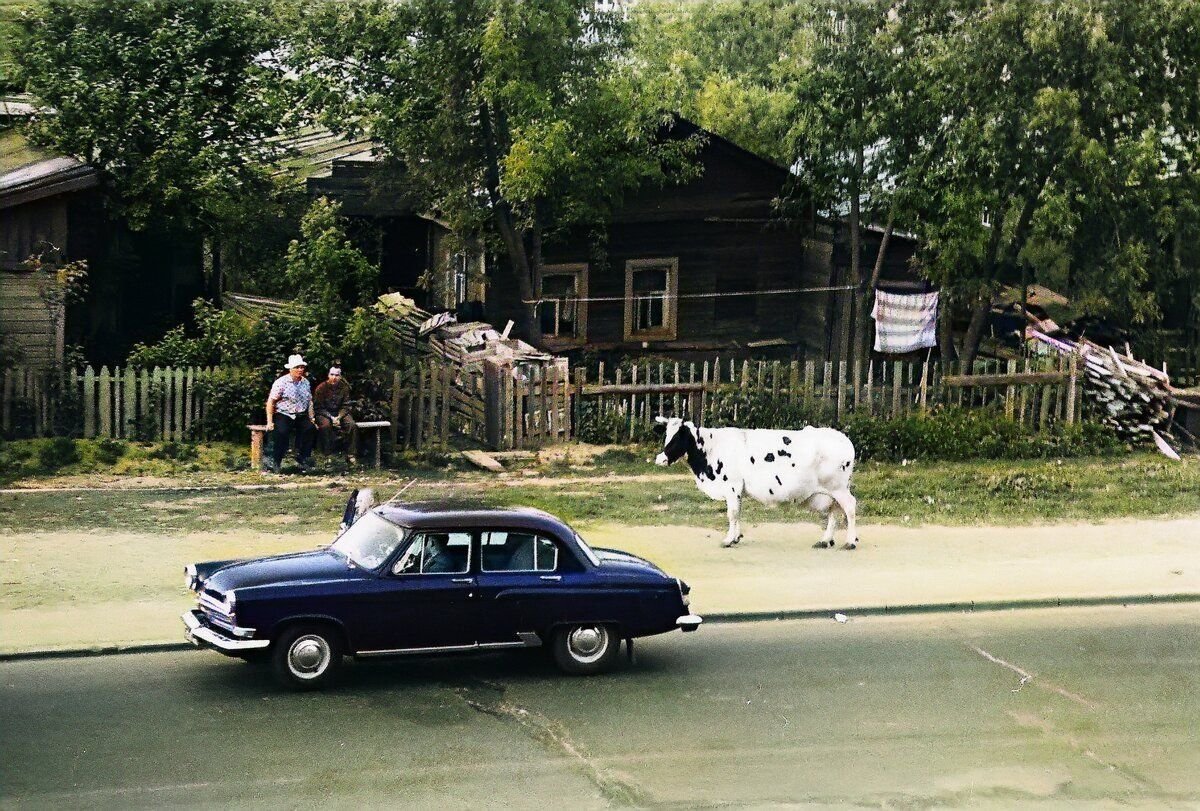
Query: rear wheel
[(307, 657), (584, 650)]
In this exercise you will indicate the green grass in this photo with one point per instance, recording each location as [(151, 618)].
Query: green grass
[(948, 493)]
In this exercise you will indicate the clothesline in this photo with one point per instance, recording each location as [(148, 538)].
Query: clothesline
[(788, 290)]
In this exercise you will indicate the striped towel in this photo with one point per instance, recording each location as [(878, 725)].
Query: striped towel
[(904, 322)]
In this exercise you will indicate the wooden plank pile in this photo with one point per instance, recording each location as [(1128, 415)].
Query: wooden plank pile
[(1133, 397)]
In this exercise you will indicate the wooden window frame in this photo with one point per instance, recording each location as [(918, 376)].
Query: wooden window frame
[(670, 328), (580, 271)]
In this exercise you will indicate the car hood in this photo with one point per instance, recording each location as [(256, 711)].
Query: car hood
[(614, 560), (319, 566)]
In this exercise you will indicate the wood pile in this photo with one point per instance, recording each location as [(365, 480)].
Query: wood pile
[(1134, 398)]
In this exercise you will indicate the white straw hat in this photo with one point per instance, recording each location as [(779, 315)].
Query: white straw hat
[(294, 361)]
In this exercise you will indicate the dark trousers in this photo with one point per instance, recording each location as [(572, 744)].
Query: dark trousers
[(286, 428), (335, 436)]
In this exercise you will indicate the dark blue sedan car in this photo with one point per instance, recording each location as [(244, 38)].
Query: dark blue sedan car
[(433, 578)]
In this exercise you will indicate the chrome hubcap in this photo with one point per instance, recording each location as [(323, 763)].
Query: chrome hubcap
[(587, 643), (309, 656)]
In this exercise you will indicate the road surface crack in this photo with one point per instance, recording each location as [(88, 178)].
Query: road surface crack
[(616, 789)]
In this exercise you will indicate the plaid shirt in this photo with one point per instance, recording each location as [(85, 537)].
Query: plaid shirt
[(290, 397)]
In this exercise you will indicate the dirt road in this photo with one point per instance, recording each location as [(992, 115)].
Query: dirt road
[(103, 588)]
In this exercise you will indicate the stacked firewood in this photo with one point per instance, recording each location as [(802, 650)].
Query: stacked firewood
[(1134, 398)]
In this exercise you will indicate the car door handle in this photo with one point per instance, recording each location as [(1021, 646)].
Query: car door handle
[(553, 577), (462, 580)]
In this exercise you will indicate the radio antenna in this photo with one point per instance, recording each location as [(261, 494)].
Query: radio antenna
[(400, 492)]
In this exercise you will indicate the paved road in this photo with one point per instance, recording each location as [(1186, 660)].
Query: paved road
[(1060, 707)]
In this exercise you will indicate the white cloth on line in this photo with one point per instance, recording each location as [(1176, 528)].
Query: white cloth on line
[(904, 321)]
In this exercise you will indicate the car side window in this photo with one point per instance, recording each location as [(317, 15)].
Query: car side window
[(436, 553), (546, 555), (517, 552)]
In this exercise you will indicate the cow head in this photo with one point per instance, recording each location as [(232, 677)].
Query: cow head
[(679, 438)]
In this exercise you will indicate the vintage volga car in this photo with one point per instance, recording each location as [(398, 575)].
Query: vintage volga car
[(432, 578)]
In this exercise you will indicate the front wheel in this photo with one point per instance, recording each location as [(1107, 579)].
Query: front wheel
[(584, 650), (307, 657)]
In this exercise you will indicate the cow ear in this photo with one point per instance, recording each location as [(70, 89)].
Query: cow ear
[(661, 420)]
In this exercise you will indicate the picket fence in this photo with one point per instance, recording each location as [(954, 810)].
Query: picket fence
[(1035, 392), (150, 404), (506, 406)]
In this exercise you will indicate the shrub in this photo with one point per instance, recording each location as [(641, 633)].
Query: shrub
[(58, 453), (174, 451), (109, 451)]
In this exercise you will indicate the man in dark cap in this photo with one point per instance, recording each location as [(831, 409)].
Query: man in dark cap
[(332, 403)]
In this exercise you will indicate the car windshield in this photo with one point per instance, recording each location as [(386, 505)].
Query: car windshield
[(369, 541), (587, 550)]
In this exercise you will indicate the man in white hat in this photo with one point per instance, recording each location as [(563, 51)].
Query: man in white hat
[(290, 414)]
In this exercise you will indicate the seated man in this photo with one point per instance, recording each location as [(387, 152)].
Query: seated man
[(332, 403), (289, 416)]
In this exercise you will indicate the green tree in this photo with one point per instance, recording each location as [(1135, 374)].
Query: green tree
[(1060, 124), (172, 101), (725, 64), (509, 120)]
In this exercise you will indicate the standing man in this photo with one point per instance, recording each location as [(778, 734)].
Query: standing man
[(290, 414), (332, 400)]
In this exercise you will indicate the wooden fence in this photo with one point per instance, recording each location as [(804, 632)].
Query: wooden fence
[(505, 405), (157, 404), (1033, 392)]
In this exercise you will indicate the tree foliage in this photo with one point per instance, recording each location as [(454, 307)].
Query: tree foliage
[(509, 120), (170, 101)]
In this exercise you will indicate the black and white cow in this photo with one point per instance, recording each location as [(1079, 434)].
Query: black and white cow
[(812, 466)]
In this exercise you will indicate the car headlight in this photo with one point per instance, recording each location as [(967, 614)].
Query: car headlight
[(190, 580), (230, 604)]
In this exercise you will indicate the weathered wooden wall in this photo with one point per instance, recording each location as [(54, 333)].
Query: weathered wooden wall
[(33, 330)]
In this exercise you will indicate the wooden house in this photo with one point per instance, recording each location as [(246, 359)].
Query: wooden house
[(139, 285), (689, 269)]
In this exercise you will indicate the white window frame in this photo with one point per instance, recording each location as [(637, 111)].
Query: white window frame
[(580, 271), (670, 326)]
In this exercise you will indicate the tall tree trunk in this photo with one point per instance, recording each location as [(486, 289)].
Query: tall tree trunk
[(945, 330), (511, 234), (862, 338), (1021, 233), (851, 298)]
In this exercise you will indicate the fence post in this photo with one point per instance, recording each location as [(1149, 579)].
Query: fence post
[(447, 385), (395, 406), (89, 402), (8, 387), (576, 406), (793, 381), (841, 389), (704, 393), (924, 387), (810, 380), (1072, 398), (419, 428)]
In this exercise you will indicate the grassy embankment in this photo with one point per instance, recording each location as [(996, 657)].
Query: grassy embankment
[(616, 486)]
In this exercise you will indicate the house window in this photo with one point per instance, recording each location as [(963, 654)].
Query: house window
[(736, 298), (651, 299), (561, 314)]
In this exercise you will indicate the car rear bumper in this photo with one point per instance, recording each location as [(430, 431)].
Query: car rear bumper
[(201, 635), (689, 622)]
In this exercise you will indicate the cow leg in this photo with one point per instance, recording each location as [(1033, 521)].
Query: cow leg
[(830, 526), (733, 508), (849, 506)]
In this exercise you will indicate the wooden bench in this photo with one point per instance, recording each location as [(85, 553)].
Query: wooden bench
[(258, 432)]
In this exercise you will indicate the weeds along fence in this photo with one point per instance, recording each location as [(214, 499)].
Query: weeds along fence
[(626, 399), (504, 405), (146, 404)]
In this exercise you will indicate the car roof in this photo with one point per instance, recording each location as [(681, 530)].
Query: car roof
[(447, 514)]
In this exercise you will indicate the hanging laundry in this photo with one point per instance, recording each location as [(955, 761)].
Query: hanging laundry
[(904, 321)]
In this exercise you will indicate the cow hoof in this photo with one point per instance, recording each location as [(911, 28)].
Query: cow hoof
[(823, 545), (851, 545)]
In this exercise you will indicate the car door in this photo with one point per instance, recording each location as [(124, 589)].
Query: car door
[(427, 598), (521, 581)]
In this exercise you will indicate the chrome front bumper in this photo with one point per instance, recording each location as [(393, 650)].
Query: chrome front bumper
[(689, 622), (199, 634)]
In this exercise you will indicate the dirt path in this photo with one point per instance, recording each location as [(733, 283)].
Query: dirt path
[(59, 589)]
